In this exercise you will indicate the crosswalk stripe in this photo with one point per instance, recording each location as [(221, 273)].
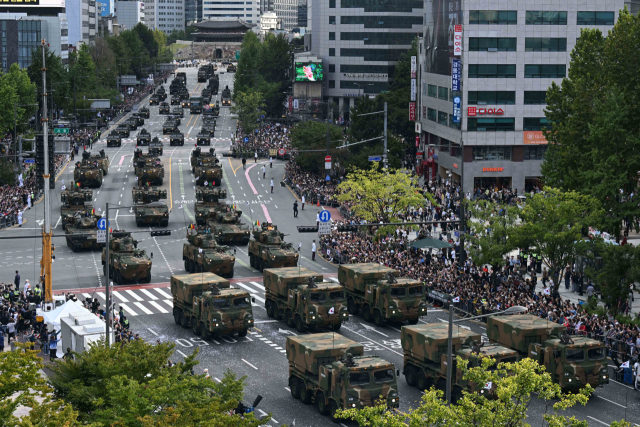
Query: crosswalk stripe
[(169, 302), (334, 279), (119, 296), (158, 306), (149, 294), (163, 293), (258, 285), (134, 295), (86, 295), (128, 311), (102, 295), (251, 290), (143, 308), (258, 298)]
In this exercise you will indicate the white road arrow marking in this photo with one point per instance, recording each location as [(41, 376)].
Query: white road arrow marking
[(371, 328), (284, 331)]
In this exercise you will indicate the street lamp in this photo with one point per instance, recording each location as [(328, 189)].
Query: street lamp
[(516, 309), (360, 86)]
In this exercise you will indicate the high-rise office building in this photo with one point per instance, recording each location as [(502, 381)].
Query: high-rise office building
[(287, 12), (248, 11), (302, 13), (129, 13), (192, 11), (164, 15)]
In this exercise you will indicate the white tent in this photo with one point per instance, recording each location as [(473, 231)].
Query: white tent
[(52, 318)]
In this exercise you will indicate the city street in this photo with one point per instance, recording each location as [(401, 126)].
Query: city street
[(261, 355)]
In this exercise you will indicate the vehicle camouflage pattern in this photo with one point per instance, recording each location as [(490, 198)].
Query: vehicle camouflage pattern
[(202, 157), (156, 147), (572, 361), (149, 170), (226, 97), (210, 175), (88, 174), (101, 159), (210, 306), (303, 300), (227, 228), (75, 200), (268, 249), (203, 254), (126, 262), (208, 203), (148, 208), (83, 224), (143, 138), (376, 292), (331, 370)]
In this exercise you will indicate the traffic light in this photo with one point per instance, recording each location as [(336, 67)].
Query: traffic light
[(307, 229), (343, 228), (161, 233)]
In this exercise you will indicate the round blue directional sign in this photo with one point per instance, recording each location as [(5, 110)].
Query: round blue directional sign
[(325, 216), (102, 224), (246, 139)]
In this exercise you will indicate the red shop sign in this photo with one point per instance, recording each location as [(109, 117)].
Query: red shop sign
[(475, 111)]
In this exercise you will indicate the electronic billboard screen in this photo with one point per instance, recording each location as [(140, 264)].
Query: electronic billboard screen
[(309, 72)]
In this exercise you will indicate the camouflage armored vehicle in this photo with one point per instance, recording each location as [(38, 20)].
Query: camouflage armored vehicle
[(126, 261), (164, 109), (186, 101), (114, 140), (154, 100), (226, 97), (74, 200), (303, 300), (196, 105), (139, 118), (177, 112), (331, 371), (203, 253), (380, 295), (210, 306), (148, 209), (204, 137), (425, 356), (174, 118), (212, 112), (144, 112), (209, 120), (268, 249), (149, 170), (175, 100), (75, 233), (132, 123), (101, 159), (572, 361), (156, 148), (144, 137), (227, 227), (169, 127), (231, 69), (123, 130), (88, 174), (176, 138), (207, 203), (207, 175), (198, 157)]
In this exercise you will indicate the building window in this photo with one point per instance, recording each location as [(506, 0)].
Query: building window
[(442, 118), (332, 51), (493, 71), (432, 114), (382, 21), (452, 124), (596, 18), (546, 18), (433, 91), (535, 152), (424, 89), (500, 17), (373, 54), (491, 152), (545, 44), (332, 84), (492, 44), (332, 68), (332, 36), (380, 38), (405, 6), (503, 124), (545, 71), (332, 20), (535, 97), (443, 93), (492, 98), (536, 123), (332, 4)]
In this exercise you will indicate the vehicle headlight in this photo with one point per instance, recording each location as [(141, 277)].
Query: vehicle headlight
[(393, 312), (604, 377), (353, 405), (313, 317), (569, 379), (424, 309), (393, 400)]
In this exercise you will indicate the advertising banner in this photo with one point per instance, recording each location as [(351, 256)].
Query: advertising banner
[(456, 109), (440, 18), (455, 75), (309, 72), (290, 104), (414, 89), (457, 40), (534, 137), (412, 111), (414, 67), (295, 104)]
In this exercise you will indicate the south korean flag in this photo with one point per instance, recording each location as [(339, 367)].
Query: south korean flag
[(332, 310)]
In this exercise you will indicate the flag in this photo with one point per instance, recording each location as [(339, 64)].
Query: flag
[(488, 385), (547, 291), (456, 299), (625, 364), (110, 230), (331, 310), (206, 183), (93, 211), (78, 184), (63, 188)]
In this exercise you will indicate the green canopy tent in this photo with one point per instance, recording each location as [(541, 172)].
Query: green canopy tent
[(430, 243)]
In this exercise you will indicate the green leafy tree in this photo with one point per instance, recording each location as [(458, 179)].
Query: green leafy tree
[(553, 222), (246, 76), (599, 102), (312, 135), (490, 227), (16, 90), (515, 385), (249, 108)]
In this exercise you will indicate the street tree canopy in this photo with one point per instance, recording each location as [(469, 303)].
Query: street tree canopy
[(490, 226), (249, 108), (312, 135)]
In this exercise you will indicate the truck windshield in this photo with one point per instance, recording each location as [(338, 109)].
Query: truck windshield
[(398, 292), (318, 297), (336, 296), (241, 302), (221, 304), (383, 376), (595, 353), (416, 290), (574, 355), (359, 378)]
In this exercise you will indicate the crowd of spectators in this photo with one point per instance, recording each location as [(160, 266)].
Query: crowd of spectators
[(269, 136), (312, 186)]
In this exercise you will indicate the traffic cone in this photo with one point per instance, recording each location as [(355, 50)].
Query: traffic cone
[(318, 202)]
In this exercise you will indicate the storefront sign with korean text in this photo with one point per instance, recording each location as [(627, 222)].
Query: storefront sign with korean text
[(481, 111), (455, 75), (456, 109), (413, 67), (412, 111), (457, 40)]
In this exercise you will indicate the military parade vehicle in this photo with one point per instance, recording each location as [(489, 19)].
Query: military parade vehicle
[(210, 306), (205, 95), (148, 208), (203, 75), (149, 170), (186, 102), (123, 130), (209, 120), (196, 105), (209, 126), (207, 203), (199, 157), (425, 357), (126, 261), (169, 127), (203, 253), (228, 228), (572, 361), (144, 112), (114, 139), (75, 200), (212, 111), (156, 147), (82, 233), (132, 123), (176, 138), (176, 119), (184, 95), (177, 112), (209, 174), (139, 118), (88, 173), (101, 158), (182, 76), (175, 100), (332, 371), (164, 109), (204, 137), (376, 292), (226, 97), (268, 249), (154, 99), (303, 300), (143, 138), (231, 69)]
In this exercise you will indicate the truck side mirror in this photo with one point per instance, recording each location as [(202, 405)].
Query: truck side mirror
[(151, 255), (397, 372), (253, 299)]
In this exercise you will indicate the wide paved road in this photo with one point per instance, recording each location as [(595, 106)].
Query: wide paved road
[(260, 356)]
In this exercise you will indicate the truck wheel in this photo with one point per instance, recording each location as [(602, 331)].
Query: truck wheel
[(305, 394), (243, 333), (177, 314), (288, 317), (148, 278), (118, 278), (184, 321), (195, 326), (300, 325), (164, 223), (352, 307), (410, 374), (269, 307), (421, 381), (294, 385), (366, 313), (251, 260), (203, 331), (336, 327), (230, 275), (379, 320), (413, 321), (322, 405), (456, 394), (139, 222), (333, 408), (186, 265)]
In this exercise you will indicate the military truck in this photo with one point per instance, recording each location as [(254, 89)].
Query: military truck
[(175, 100), (169, 127), (203, 253), (425, 357), (199, 157), (331, 370), (156, 147), (114, 140), (381, 296), (76, 233), (210, 306), (268, 249), (213, 111), (144, 112), (88, 174), (123, 130), (207, 203), (139, 118), (210, 174), (231, 68), (101, 159), (164, 109), (227, 227), (196, 105), (182, 76), (303, 300), (74, 200), (143, 138), (154, 99), (177, 112), (572, 361), (186, 101), (149, 170), (132, 123), (203, 75), (176, 138), (226, 97), (204, 137), (148, 208), (126, 261)]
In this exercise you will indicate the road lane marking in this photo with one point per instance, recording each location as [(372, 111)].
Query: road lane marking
[(611, 401), (134, 295), (119, 296), (159, 307), (595, 419), (249, 364), (163, 293), (143, 308), (150, 330), (149, 294)]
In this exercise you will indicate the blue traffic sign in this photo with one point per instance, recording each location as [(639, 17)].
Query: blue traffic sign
[(246, 139), (102, 224), (325, 216), (29, 160), (327, 178), (262, 116), (375, 158)]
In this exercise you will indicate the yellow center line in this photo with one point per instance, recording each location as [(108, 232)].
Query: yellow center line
[(257, 329), (234, 170)]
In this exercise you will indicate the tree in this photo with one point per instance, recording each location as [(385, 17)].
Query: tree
[(594, 143), (490, 226), (379, 196), (248, 107), (515, 384), (22, 384), (553, 222), (312, 135), (16, 90)]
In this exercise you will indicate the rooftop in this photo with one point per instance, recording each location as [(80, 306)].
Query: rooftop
[(224, 24)]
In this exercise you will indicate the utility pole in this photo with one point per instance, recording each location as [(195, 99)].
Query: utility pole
[(45, 262), (384, 156), (108, 285)]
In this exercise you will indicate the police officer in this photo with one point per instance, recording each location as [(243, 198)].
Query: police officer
[(244, 163), (15, 295), (37, 294), (125, 322)]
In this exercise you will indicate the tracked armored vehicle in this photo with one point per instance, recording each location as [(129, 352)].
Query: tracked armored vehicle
[(126, 262), (203, 253), (268, 249), (148, 208)]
